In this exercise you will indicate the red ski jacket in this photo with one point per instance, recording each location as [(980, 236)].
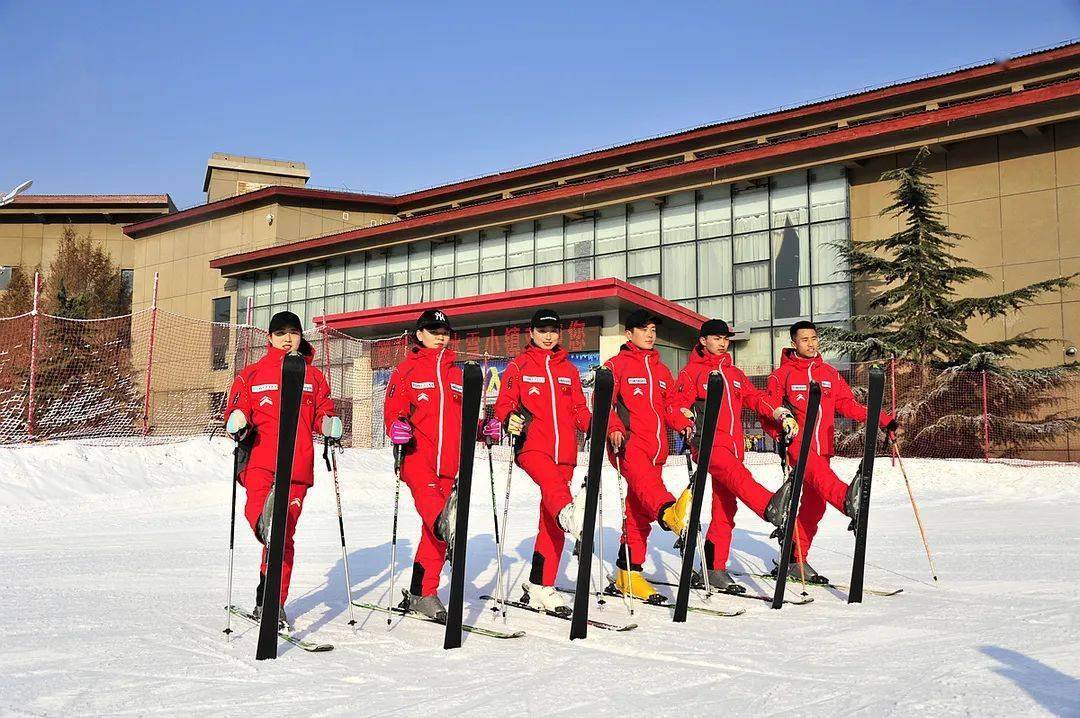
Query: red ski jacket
[(426, 389), (546, 386), (642, 387), (790, 383), (692, 386), (256, 392)]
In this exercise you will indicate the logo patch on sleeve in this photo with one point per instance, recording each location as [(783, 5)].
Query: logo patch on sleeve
[(455, 387), (826, 384), (423, 385), (308, 387), (564, 380), (264, 387)]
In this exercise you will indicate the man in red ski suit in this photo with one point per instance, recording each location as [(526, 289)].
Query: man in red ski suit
[(541, 398), (730, 477), (423, 413), (637, 431), (254, 405), (799, 365)]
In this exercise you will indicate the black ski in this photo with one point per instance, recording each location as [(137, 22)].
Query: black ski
[(309, 646), (836, 586), (699, 585), (813, 404), (714, 394), (866, 471), (603, 387), (472, 386), (592, 622), (293, 369), (610, 590)]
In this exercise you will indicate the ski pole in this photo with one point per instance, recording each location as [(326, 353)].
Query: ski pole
[(399, 455), (495, 518), (625, 548), (914, 506), (506, 516), (331, 463), (232, 538)]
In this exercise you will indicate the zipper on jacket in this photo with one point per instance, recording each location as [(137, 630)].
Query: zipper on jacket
[(652, 405), (817, 421), (554, 416), (731, 407), (438, 378)]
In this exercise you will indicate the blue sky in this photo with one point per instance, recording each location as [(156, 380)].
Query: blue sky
[(389, 97)]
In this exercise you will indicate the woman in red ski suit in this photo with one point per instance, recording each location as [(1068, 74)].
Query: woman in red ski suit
[(730, 477), (801, 364), (541, 397), (423, 413), (254, 405)]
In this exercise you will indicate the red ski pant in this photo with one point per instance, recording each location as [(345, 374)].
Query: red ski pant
[(259, 483), (821, 486), (730, 480), (554, 482), (429, 493), (646, 497)]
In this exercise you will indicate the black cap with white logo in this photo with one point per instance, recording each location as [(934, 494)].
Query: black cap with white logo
[(545, 318), (432, 319), (716, 328)]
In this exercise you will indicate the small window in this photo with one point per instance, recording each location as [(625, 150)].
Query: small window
[(5, 277), (219, 333)]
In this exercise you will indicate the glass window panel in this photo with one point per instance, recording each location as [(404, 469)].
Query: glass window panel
[(689, 304), (335, 276), (791, 304), (492, 250), (677, 218), (466, 286), (751, 247), (831, 355), (376, 270), (442, 289), (751, 276), (416, 292), (315, 308), (791, 257), (300, 310), (828, 193), (262, 289), (397, 296), (788, 199), (642, 262), (649, 284), (520, 278), (611, 266), (754, 355), (316, 280), (832, 302), (492, 282), (274, 310), (827, 263), (680, 271), (397, 265), (354, 302), (467, 254), (716, 308), (752, 309), (611, 229), (419, 261), (262, 317), (280, 285), (714, 212), (354, 273), (373, 298), (519, 245), (642, 225), (335, 305), (750, 208), (579, 238), (442, 259), (714, 266), (245, 287), (298, 284), (548, 274), (549, 239), (577, 270)]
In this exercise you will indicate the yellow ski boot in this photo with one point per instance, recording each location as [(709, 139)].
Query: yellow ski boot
[(635, 585), (675, 516)]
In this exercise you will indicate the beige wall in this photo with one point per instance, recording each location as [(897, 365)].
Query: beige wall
[(1018, 198), (227, 183), (29, 244)]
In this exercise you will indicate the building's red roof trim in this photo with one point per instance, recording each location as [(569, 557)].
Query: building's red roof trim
[(502, 302), (703, 133), (266, 194), (931, 118)]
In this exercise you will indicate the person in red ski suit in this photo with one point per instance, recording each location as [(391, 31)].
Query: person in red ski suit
[(637, 432), (730, 477), (542, 401), (423, 413), (790, 382), (253, 410)]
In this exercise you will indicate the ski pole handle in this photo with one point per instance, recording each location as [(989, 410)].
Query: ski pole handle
[(399, 456)]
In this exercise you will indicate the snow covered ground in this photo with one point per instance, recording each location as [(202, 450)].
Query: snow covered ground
[(113, 578)]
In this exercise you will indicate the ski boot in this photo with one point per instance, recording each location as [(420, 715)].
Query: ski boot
[(446, 524), (572, 517), (546, 598), (428, 606), (721, 581), (283, 619), (802, 571), (632, 583), (673, 517)]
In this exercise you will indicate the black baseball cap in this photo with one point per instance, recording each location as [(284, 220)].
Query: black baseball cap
[(432, 319), (285, 320), (716, 328), (544, 318), (641, 318)]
